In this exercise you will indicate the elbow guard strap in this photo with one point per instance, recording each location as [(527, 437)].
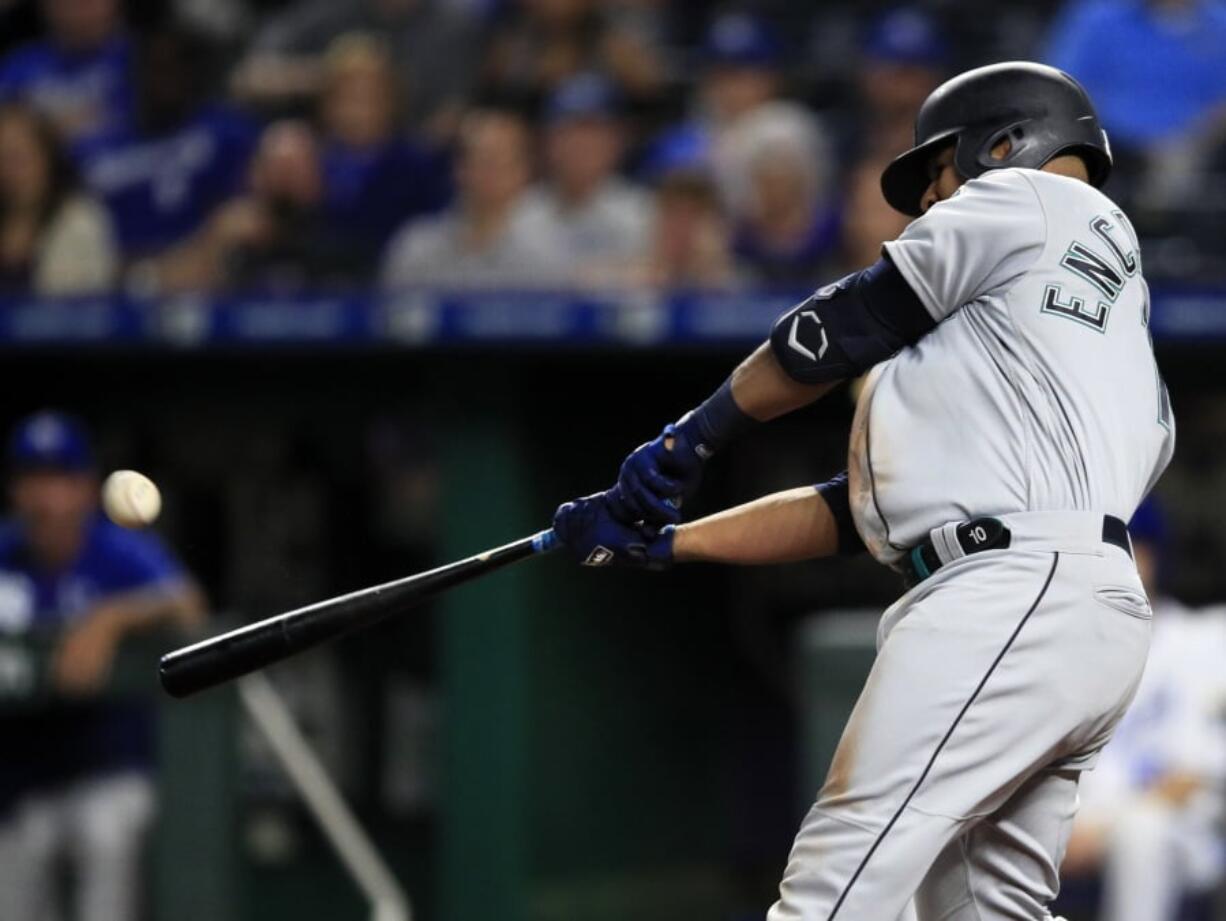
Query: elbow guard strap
[(835, 492), (847, 327)]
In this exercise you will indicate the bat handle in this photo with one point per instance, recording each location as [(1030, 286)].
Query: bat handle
[(545, 542)]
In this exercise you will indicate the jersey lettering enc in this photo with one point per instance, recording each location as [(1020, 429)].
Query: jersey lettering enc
[(1128, 258), (1074, 308), (1091, 265), (1094, 268)]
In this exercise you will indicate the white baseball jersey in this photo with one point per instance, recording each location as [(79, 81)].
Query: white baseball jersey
[(1037, 390)]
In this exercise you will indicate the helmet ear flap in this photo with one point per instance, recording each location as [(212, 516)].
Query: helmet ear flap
[(1019, 142)]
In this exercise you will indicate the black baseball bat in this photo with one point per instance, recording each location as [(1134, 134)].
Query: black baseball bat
[(246, 649)]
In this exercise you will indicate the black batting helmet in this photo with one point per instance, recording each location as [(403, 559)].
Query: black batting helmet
[(1043, 111)]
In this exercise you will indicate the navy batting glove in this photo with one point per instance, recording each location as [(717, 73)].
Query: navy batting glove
[(660, 474), (592, 535), (654, 479)]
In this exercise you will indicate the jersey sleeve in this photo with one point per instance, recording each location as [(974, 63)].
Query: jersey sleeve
[(979, 241)]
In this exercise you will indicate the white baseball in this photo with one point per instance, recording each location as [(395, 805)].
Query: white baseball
[(131, 499)]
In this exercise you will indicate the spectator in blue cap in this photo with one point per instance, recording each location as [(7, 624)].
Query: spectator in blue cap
[(905, 56), (739, 98), (596, 219), (76, 784), (1151, 810)]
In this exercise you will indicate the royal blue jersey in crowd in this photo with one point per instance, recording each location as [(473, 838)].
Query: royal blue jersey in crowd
[(159, 189), (371, 192), (91, 95), (1153, 73), (51, 747)]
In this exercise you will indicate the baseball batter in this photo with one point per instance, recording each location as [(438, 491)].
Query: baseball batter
[(1012, 420)]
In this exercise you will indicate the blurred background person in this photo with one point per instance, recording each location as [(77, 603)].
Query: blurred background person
[(434, 46), (1152, 808), (77, 787), (1157, 73), (538, 45), (594, 217), (789, 228), (904, 57), (54, 238), (866, 220), (1154, 68), (374, 176), (738, 97), (80, 74), (489, 236), (276, 237), (184, 155), (691, 237)]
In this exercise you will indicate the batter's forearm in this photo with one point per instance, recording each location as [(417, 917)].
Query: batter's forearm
[(763, 390), (781, 528)]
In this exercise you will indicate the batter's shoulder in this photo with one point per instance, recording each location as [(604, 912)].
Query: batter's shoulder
[(1052, 187), (1008, 189)]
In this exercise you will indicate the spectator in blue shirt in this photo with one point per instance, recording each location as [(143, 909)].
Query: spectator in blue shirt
[(182, 158), (77, 787), (1155, 68), (80, 75), (374, 179)]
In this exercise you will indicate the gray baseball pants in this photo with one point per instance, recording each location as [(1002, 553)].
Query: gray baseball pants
[(997, 681)]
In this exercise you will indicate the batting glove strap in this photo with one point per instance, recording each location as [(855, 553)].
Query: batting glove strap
[(715, 423)]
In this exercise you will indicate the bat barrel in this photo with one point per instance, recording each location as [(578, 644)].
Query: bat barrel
[(222, 658), (255, 646)]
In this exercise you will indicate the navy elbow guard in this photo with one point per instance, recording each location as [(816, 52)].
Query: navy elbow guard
[(847, 327), (837, 497)]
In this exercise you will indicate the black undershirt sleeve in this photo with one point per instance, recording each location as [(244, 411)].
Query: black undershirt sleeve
[(835, 492)]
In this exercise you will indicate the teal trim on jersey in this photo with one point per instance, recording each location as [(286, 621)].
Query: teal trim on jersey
[(1074, 309), (917, 560)]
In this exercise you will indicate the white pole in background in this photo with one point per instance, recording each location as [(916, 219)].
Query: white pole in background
[(354, 847)]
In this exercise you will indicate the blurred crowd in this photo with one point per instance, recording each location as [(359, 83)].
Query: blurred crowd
[(281, 145)]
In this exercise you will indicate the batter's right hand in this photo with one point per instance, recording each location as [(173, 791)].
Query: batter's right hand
[(655, 478)]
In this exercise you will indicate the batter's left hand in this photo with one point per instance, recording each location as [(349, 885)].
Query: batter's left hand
[(655, 478), (594, 537)]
